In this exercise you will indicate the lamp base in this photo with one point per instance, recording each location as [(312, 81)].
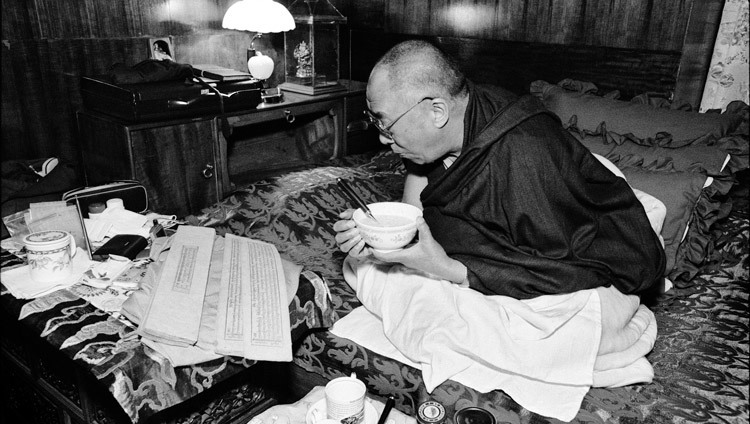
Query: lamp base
[(272, 95), (330, 87)]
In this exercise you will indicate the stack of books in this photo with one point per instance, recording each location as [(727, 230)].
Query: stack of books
[(219, 73)]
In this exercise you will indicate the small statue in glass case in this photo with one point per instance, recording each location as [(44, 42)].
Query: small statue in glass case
[(304, 60)]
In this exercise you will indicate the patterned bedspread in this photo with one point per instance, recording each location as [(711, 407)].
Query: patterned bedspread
[(142, 381), (701, 354)]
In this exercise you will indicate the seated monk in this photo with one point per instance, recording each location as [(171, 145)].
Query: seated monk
[(513, 205)]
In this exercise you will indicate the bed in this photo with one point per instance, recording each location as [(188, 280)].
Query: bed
[(695, 163)]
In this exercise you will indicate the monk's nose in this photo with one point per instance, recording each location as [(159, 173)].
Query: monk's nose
[(385, 140)]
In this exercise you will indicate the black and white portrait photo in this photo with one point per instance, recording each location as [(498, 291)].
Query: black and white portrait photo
[(160, 48)]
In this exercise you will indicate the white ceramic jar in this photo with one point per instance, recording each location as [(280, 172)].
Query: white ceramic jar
[(50, 255)]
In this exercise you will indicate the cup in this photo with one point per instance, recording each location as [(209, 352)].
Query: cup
[(50, 255), (345, 400)]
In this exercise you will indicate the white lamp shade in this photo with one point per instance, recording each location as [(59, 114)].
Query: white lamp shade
[(260, 67), (262, 16)]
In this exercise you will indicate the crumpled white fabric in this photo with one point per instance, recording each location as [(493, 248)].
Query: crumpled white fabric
[(545, 352)]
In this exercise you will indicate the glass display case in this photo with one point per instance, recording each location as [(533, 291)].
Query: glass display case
[(312, 49)]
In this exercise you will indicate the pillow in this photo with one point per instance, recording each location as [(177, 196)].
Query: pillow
[(680, 207), (707, 159), (668, 153), (692, 206), (651, 125), (678, 191)]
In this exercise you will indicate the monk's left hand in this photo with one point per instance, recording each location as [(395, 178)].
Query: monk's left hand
[(427, 255)]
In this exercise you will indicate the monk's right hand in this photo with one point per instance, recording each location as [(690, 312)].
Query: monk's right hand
[(348, 238)]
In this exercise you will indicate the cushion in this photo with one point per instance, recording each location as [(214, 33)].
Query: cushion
[(693, 202), (666, 127), (700, 158), (685, 159), (679, 192)]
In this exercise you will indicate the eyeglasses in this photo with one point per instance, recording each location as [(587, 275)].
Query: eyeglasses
[(386, 130)]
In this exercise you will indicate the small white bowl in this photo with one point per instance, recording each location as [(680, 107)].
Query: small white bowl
[(396, 226)]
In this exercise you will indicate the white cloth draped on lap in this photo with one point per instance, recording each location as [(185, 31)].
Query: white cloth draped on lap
[(545, 352)]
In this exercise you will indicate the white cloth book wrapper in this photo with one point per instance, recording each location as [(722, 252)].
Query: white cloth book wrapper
[(174, 313), (204, 350)]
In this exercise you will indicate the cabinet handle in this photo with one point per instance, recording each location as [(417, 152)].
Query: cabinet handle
[(208, 171), (289, 116)]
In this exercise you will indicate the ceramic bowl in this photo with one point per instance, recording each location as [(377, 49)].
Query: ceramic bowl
[(395, 227)]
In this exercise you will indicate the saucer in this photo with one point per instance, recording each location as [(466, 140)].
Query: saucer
[(319, 408)]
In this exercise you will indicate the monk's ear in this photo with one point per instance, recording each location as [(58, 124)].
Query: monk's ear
[(440, 112)]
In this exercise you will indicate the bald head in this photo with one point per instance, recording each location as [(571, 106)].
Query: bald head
[(419, 67), (417, 97)]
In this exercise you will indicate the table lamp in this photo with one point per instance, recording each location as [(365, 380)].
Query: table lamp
[(259, 16)]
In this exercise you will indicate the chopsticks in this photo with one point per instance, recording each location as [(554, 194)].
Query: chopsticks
[(355, 198), (387, 409)]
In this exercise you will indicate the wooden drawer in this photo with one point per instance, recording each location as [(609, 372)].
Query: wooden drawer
[(272, 141), (23, 403)]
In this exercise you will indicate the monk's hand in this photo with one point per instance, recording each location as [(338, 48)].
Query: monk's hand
[(427, 255), (348, 238)]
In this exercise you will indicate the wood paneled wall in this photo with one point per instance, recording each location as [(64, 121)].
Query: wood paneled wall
[(48, 45), (642, 45), (634, 46), (631, 24), (515, 65)]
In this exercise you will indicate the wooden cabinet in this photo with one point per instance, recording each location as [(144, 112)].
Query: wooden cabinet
[(178, 161), (188, 164)]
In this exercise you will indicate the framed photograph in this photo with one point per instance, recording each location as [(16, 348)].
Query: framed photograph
[(160, 48)]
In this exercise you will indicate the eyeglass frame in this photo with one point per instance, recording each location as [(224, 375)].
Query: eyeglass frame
[(386, 130)]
